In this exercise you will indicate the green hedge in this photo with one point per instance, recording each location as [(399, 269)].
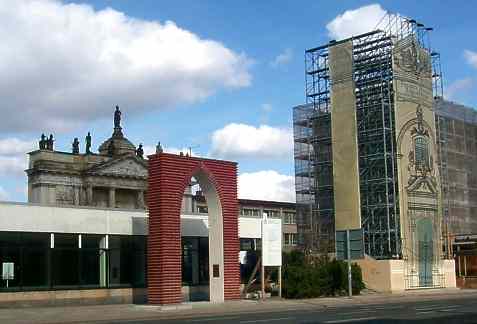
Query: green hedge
[(306, 277)]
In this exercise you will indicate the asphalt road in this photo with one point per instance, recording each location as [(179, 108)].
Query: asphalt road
[(451, 310)]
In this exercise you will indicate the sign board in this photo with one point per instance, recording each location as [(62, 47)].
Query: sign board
[(272, 241), (356, 244), (7, 271)]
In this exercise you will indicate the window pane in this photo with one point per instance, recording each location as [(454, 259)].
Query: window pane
[(66, 241), (65, 266), (35, 267), (89, 241), (90, 267)]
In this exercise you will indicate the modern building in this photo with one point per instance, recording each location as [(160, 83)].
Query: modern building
[(457, 139), (367, 154), (82, 236)]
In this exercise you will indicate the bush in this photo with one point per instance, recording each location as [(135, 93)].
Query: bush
[(307, 277)]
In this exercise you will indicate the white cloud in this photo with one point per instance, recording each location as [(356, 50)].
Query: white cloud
[(471, 58), (355, 22), (459, 87), (283, 58), (65, 64), (266, 185), (241, 140), (13, 157), (266, 107)]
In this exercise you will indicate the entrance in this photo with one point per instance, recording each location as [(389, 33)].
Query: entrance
[(425, 251), (169, 175)]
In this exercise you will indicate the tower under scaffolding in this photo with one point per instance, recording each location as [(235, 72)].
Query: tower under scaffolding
[(373, 77)]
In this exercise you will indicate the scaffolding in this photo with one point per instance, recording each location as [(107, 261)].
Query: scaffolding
[(373, 78)]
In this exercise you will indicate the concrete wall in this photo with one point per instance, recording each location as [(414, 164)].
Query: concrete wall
[(449, 273), (35, 218), (383, 275), (74, 297), (344, 138)]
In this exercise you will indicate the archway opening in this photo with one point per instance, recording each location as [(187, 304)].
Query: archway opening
[(201, 241)]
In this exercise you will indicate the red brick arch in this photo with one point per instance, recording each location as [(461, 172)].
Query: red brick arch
[(169, 174)]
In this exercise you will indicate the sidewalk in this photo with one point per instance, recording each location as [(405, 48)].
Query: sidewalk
[(118, 313)]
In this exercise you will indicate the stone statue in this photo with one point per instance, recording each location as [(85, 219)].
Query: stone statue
[(75, 148), (140, 152), (117, 118), (42, 142), (49, 143), (88, 143), (159, 148)]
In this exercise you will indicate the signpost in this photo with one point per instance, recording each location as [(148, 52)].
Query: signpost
[(271, 249), (7, 271), (349, 246)]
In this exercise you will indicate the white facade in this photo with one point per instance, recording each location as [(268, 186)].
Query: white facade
[(21, 217)]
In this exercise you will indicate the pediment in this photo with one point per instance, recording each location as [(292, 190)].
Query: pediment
[(423, 185), (122, 167)]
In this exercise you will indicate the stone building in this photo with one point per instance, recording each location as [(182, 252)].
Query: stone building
[(366, 155), (115, 177)]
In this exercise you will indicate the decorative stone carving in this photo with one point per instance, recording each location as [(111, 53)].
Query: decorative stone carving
[(129, 167)]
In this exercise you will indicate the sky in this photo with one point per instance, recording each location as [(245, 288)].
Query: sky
[(217, 77)]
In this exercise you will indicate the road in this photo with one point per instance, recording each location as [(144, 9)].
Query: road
[(433, 306), (451, 310)]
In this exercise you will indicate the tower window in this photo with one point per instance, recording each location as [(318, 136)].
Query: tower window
[(421, 147)]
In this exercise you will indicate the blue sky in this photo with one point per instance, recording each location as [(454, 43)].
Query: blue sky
[(256, 84)]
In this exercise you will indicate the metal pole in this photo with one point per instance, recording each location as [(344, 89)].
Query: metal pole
[(350, 286), (262, 278), (280, 281)]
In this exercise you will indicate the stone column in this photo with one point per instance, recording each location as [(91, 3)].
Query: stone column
[(76, 190), (140, 199), (112, 198), (89, 195)]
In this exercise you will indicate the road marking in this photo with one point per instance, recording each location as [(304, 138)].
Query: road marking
[(209, 319), (425, 312), (351, 320), (268, 320)]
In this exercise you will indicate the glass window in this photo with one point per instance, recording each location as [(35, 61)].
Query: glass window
[(29, 253), (289, 218), (422, 152), (289, 238), (272, 213), (195, 261), (127, 260), (65, 266), (202, 209)]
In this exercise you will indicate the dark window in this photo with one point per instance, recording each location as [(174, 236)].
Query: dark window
[(195, 260), (422, 152)]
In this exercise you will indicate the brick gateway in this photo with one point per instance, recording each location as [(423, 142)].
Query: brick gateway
[(169, 175)]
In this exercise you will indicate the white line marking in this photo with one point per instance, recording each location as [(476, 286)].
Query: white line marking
[(352, 320), (214, 319), (268, 320)]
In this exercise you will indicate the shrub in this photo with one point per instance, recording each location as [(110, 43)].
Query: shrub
[(308, 277)]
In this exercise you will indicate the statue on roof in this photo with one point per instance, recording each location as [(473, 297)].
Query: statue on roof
[(49, 143), (75, 147), (117, 118), (42, 142), (140, 152), (88, 143), (159, 148)]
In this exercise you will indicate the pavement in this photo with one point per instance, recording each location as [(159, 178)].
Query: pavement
[(420, 306)]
